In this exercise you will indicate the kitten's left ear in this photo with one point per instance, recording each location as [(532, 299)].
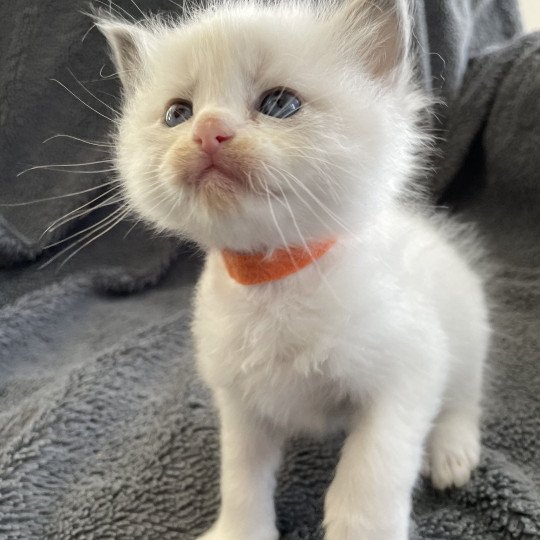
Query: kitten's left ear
[(128, 43), (378, 31)]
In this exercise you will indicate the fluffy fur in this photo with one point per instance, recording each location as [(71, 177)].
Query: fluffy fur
[(386, 334)]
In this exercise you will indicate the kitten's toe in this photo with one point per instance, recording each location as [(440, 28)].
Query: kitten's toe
[(454, 452), (451, 468)]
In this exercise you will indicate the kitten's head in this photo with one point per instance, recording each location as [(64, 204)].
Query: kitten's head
[(250, 126)]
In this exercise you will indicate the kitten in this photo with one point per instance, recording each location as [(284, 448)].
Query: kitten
[(281, 138)]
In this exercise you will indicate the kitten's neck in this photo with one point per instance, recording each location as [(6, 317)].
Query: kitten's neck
[(258, 268)]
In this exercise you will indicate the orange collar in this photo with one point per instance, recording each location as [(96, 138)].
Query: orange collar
[(257, 268)]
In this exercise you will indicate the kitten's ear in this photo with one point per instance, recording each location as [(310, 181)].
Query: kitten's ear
[(128, 43), (379, 31)]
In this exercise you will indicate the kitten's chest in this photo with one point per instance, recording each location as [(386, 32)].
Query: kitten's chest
[(273, 352)]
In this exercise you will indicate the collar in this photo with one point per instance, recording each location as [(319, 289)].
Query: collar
[(257, 268)]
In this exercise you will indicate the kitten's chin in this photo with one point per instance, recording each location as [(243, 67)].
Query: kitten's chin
[(216, 189), (217, 184), (214, 177)]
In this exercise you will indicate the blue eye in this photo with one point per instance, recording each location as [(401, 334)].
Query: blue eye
[(178, 112), (280, 103)]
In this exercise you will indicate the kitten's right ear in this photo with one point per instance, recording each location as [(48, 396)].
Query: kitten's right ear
[(377, 31), (128, 43)]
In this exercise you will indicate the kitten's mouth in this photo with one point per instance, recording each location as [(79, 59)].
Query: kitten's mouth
[(222, 177), (207, 171), (216, 174), (216, 186)]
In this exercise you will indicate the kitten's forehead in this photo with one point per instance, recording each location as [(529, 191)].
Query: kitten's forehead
[(226, 56)]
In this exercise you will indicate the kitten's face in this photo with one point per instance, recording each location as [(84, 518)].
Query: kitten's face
[(222, 171)]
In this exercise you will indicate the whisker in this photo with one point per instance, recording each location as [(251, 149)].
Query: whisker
[(316, 158), (35, 201), (114, 75), (173, 206), (79, 171), (132, 227), (251, 184), (63, 165), (178, 5), (324, 171), (139, 9), (110, 202), (314, 261), (114, 9), (92, 94), (113, 96), (87, 32), (92, 143), (84, 102), (101, 76), (155, 185), (91, 240), (78, 233), (107, 228), (113, 200), (315, 198), (87, 208), (79, 211), (276, 223)]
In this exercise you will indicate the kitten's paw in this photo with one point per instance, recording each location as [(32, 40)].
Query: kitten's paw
[(453, 451), (346, 518)]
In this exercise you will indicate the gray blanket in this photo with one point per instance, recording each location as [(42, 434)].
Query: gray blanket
[(105, 429)]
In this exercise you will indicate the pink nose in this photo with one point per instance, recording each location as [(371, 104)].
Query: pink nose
[(210, 133)]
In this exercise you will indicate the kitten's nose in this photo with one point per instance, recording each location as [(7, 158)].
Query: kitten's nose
[(210, 133)]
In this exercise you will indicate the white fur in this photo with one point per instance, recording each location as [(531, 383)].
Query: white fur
[(386, 334)]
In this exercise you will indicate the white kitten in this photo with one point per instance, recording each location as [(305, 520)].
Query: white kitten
[(386, 331)]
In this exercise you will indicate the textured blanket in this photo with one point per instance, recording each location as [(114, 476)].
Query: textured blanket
[(105, 429)]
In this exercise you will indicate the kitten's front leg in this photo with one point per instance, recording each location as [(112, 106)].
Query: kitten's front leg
[(370, 496), (250, 454)]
